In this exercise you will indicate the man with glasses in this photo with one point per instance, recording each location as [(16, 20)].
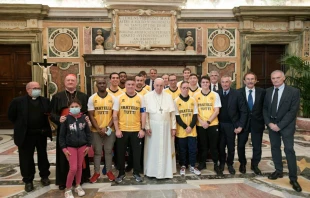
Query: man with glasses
[(29, 114), (173, 89), (214, 78)]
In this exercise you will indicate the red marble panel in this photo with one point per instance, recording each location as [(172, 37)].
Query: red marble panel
[(199, 41), (229, 69), (58, 75), (87, 40)]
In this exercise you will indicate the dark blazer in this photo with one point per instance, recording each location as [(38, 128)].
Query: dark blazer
[(148, 81), (18, 115), (255, 118), (287, 109), (237, 108)]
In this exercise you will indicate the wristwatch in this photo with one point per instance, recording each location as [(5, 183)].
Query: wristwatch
[(143, 129), (208, 122)]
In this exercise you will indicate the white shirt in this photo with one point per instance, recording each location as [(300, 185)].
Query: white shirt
[(280, 92), (216, 86), (247, 92)]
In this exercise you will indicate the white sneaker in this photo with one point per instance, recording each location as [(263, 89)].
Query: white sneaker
[(68, 194), (194, 170), (79, 191), (182, 171)]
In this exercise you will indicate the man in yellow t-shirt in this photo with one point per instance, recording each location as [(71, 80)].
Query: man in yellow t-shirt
[(193, 85), (144, 86), (122, 79), (139, 83), (100, 113), (114, 82), (186, 116), (129, 121), (209, 104), (173, 89)]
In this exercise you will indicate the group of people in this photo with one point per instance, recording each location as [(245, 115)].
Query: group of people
[(155, 120)]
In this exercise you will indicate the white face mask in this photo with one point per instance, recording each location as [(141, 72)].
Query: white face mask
[(35, 93)]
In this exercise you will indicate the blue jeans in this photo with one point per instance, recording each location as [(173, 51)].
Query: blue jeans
[(187, 144)]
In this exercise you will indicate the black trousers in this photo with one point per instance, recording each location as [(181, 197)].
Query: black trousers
[(227, 138), (208, 138), (136, 145), (256, 138), (288, 140), (26, 161), (130, 156)]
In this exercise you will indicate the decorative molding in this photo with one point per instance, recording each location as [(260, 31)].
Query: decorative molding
[(224, 68), (23, 11), (272, 26)]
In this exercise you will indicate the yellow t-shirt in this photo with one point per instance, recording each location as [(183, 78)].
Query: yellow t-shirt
[(129, 111), (102, 108), (206, 105), (142, 92), (185, 110), (115, 93), (193, 92), (147, 87), (174, 94)]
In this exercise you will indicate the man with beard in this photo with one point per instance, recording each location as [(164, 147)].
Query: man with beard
[(139, 85), (100, 113), (122, 79), (59, 107)]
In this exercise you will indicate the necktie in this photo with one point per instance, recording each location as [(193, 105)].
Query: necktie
[(152, 85), (225, 93), (274, 104), (214, 87), (250, 100)]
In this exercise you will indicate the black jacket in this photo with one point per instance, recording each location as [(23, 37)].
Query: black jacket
[(74, 132), (237, 108), (18, 115), (255, 118)]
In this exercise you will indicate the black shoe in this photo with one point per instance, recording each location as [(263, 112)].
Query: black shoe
[(242, 168), (120, 178), (128, 168), (231, 170), (218, 170), (296, 186), (256, 170), (138, 177), (45, 181), (62, 187), (202, 166), (222, 167), (275, 175), (29, 187)]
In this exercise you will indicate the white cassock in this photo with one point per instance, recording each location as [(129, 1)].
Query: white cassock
[(159, 151)]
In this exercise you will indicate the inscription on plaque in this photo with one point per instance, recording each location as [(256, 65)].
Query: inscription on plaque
[(152, 31)]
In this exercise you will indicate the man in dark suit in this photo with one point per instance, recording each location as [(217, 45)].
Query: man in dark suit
[(214, 78), (255, 123), (280, 110), (29, 114), (153, 76), (232, 118)]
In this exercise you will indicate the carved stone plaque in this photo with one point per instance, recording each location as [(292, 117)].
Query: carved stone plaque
[(154, 30)]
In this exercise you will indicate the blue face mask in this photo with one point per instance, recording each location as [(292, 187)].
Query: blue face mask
[(35, 93), (75, 110)]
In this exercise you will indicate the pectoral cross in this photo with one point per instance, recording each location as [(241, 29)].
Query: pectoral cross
[(161, 110)]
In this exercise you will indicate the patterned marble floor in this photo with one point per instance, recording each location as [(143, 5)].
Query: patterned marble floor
[(206, 185)]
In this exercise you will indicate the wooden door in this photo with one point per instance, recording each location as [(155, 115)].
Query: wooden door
[(264, 60), (15, 73)]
